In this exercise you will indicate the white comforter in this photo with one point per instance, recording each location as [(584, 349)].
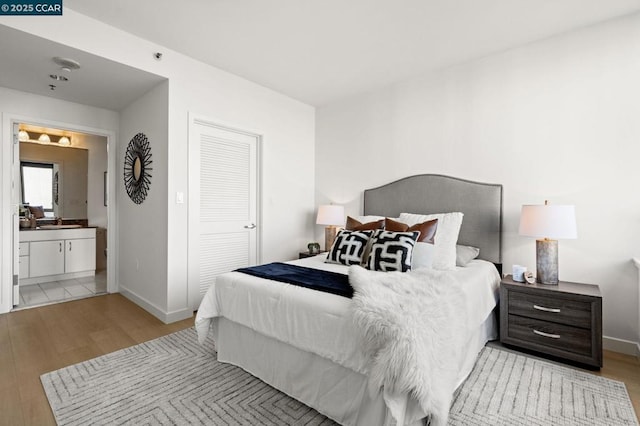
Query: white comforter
[(323, 323), (320, 322)]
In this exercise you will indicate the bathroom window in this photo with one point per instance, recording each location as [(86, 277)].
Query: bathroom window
[(37, 185)]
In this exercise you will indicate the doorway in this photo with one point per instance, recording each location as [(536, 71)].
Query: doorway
[(63, 220), (224, 201)]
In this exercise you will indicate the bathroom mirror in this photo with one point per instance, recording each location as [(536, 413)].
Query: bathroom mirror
[(57, 176)]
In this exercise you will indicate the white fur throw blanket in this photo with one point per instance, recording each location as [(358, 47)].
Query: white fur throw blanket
[(412, 327)]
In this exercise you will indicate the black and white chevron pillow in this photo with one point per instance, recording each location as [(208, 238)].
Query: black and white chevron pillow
[(348, 247), (392, 251)]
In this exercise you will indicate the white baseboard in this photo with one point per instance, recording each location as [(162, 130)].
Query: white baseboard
[(622, 346), (165, 317), (179, 315)]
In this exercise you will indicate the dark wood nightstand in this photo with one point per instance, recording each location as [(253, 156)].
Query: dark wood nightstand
[(563, 320), (304, 254)]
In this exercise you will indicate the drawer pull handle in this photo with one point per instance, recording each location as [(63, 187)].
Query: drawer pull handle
[(542, 308), (543, 334)]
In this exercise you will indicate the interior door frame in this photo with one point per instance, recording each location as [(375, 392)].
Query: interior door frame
[(7, 220), (193, 273)]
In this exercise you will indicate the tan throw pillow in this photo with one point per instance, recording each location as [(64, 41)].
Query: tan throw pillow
[(427, 229), (354, 225)]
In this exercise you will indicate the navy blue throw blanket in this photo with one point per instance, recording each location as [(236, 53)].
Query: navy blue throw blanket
[(315, 279)]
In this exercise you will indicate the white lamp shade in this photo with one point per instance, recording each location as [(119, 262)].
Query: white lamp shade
[(548, 221), (330, 215)]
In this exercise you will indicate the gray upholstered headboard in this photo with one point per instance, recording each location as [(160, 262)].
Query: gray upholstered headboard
[(481, 204)]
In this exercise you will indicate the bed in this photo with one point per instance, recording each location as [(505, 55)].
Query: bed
[(302, 342)]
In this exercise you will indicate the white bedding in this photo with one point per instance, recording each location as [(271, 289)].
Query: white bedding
[(319, 322)]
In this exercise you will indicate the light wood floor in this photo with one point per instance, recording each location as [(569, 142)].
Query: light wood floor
[(39, 340)]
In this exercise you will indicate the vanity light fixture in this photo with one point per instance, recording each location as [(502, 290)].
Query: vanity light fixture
[(45, 139)]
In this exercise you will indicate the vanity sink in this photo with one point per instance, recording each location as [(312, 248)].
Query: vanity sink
[(59, 226)]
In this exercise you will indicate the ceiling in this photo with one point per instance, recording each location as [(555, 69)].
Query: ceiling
[(319, 51), (99, 82), (316, 51)]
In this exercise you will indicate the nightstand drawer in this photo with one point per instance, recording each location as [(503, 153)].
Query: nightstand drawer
[(532, 332), (556, 309)]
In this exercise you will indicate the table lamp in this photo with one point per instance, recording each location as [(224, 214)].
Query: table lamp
[(332, 216), (549, 223)]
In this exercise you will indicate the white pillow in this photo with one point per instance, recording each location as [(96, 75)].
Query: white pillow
[(465, 254), (446, 237), (367, 219), (423, 256)]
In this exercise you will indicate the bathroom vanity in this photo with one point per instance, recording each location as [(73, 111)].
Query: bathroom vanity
[(56, 253)]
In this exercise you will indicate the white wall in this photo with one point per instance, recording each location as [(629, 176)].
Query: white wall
[(142, 228), (287, 127), (44, 110), (558, 120)]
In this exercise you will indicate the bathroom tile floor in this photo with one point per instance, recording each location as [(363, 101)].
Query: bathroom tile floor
[(62, 291)]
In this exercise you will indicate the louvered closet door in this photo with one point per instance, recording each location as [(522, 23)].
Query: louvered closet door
[(225, 200)]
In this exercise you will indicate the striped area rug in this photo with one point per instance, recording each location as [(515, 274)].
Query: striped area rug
[(174, 381), (510, 389), (171, 380)]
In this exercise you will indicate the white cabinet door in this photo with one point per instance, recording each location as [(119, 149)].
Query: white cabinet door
[(23, 260), (24, 267), (46, 258), (80, 255)]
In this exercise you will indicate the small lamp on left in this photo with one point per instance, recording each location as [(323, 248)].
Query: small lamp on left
[(332, 216)]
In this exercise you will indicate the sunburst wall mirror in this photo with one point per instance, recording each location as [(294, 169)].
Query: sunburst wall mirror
[(137, 164)]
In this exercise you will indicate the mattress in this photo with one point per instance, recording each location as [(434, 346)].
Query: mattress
[(318, 322)]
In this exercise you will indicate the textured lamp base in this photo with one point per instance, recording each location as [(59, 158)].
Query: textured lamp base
[(547, 261), (329, 236)]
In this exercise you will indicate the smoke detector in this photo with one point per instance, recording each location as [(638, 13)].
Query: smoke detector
[(67, 64)]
